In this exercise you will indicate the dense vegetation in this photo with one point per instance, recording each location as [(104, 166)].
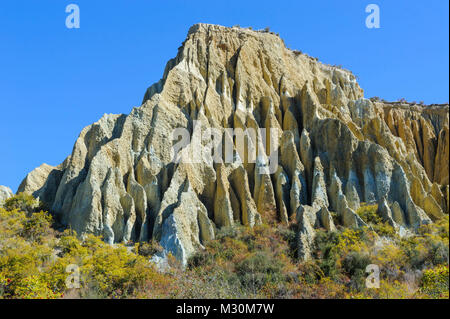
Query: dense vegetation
[(240, 263)]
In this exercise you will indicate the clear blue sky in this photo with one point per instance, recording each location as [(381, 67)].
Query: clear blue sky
[(54, 81)]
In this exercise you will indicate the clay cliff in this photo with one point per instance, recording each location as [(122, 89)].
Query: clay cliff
[(5, 193), (336, 150)]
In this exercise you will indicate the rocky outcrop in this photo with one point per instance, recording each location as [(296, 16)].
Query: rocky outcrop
[(43, 182), (424, 132), (329, 147), (5, 193)]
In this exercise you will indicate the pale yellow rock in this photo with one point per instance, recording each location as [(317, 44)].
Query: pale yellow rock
[(188, 228), (425, 124), (266, 204), (385, 212), (223, 209), (336, 150), (429, 148), (295, 170), (282, 194), (441, 166), (416, 128), (306, 233), (397, 214), (249, 213), (348, 217), (306, 155), (319, 195), (432, 208), (439, 197), (5, 193), (326, 219), (447, 197), (36, 179), (351, 193)]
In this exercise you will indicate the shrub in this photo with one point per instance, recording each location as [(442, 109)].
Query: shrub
[(435, 282), (289, 235), (23, 202), (355, 264), (368, 213), (34, 287), (351, 240), (326, 253), (230, 232), (149, 249), (439, 253), (200, 259), (241, 262), (430, 248), (37, 226), (258, 270)]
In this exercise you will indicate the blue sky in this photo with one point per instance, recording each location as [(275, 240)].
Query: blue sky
[(54, 81)]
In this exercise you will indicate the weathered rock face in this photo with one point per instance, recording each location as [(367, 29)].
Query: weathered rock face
[(5, 193), (424, 131), (335, 150)]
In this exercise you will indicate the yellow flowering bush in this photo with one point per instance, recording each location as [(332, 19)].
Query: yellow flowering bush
[(33, 261), (260, 262), (350, 240), (435, 282)]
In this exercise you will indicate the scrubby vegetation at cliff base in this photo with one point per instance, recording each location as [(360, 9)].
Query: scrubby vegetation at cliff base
[(36, 262)]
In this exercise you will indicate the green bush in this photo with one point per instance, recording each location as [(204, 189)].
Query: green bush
[(435, 282), (37, 226), (200, 259), (289, 235), (242, 262), (368, 213), (258, 270), (355, 265), (439, 253), (149, 249), (326, 253), (23, 202), (228, 232)]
